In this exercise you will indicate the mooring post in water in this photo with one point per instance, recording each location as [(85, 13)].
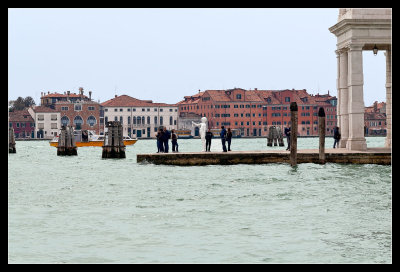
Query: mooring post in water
[(293, 133), (11, 141), (114, 146), (66, 142), (321, 132)]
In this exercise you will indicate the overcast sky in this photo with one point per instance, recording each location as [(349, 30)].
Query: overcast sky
[(165, 54)]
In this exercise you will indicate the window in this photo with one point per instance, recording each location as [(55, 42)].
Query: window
[(78, 107), (121, 109), (53, 125), (161, 120), (148, 120), (64, 121), (115, 109), (238, 96), (91, 120), (287, 99), (40, 117), (170, 120), (40, 125), (64, 108), (129, 120), (155, 120), (78, 121), (54, 117), (91, 108)]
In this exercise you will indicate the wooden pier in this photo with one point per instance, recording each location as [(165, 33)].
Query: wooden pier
[(113, 146), (381, 156), (11, 141), (66, 142)]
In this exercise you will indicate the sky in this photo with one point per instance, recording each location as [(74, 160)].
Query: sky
[(166, 54)]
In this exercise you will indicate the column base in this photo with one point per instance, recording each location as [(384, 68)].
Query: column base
[(388, 143), (342, 143), (356, 144)]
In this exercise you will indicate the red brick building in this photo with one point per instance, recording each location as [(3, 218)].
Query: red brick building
[(253, 111), (375, 119), (77, 110), (23, 124)]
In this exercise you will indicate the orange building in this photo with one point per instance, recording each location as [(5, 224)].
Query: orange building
[(253, 111)]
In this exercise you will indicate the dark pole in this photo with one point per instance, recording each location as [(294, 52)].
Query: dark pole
[(321, 132), (293, 134)]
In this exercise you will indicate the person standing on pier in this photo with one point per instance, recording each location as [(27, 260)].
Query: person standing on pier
[(229, 138), (209, 136), (287, 134), (160, 144), (174, 141), (166, 136), (336, 137), (223, 138)]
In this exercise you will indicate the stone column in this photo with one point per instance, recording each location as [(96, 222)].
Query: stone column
[(388, 140), (356, 109), (343, 98)]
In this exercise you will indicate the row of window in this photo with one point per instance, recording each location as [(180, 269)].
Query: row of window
[(22, 125), (143, 109), (78, 121), (78, 107), (139, 120)]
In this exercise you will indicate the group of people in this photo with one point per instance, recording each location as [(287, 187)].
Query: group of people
[(163, 135), (226, 137), (336, 136)]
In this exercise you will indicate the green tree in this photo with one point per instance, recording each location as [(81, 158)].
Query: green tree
[(21, 103)]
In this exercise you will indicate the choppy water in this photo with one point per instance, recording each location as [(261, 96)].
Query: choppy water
[(84, 209)]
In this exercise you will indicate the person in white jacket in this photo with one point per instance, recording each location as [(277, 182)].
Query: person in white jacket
[(202, 130)]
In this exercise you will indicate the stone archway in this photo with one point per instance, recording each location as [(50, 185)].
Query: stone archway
[(358, 30)]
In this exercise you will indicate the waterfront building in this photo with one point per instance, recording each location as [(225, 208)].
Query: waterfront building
[(47, 121), (375, 119), (23, 124), (253, 111), (140, 118), (77, 110)]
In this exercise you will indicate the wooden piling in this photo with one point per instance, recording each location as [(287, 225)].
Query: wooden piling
[(11, 141), (321, 132), (293, 133), (113, 146), (66, 142)]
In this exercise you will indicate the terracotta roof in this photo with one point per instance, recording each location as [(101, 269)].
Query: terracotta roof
[(20, 116), (43, 109), (128, 101)]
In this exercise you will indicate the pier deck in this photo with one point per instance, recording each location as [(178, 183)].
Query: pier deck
[(339, 155)]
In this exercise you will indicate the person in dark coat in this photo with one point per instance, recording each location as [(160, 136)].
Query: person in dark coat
[(229, 138), (223, 138), (174, 141), (160, 145), (287, 134), (166, 136), (336, 137), (209, 136)]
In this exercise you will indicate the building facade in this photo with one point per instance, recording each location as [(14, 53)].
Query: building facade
[(254, 111), (47, 121), (140, 118), (375, 123), (77, 110), (23, 124)]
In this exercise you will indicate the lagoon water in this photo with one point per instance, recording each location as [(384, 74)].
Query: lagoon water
[(85, 209)]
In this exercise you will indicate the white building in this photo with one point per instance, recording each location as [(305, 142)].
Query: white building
[(47, 121), (140, 118)]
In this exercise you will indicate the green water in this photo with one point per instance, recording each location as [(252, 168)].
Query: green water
[(84, 209)]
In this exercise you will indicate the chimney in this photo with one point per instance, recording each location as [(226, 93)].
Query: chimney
[(115, 96), (255, 89), (376, 106), (90, 95)]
